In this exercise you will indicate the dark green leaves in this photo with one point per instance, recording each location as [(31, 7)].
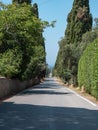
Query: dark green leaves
[(79, 22), (22, 49)]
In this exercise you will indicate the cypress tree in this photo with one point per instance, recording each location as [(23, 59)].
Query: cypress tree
[(79, 21), (35, 10)]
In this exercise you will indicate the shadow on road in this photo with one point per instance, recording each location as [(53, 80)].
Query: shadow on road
[(45, 88), (32, 117), (49, 92)]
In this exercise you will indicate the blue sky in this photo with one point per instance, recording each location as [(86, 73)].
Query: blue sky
[(56, 10)]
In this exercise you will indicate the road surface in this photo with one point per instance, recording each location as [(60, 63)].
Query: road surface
[(48, 106)]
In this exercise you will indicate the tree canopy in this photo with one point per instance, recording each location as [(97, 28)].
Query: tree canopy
[(22, 1), (22, 49), (79, 22)]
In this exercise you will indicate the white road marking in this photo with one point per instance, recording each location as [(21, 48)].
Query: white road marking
[(86, 100), (82, 97)]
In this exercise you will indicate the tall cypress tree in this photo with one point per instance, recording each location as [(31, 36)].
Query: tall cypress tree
[(79, 22), (41, 39), (35, 10)]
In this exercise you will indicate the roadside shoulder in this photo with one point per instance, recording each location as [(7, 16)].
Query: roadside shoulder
[(78, 91)]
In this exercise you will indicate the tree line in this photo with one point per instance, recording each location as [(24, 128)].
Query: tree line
[(22, 46), (77, 58)]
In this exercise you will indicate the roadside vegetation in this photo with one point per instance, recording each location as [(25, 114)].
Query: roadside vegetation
[(88, 69), (77, 60), (22, 47)]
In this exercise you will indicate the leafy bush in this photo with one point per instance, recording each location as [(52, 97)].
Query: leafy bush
[(88, 69), (67, 75), (36, 64), (10, 63)]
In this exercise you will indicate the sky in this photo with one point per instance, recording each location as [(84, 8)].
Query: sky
[(50, 10)]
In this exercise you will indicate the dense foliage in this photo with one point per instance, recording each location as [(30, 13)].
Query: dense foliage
[(88, 37), (22, 49), (88, 69), (22, 1), (79, 22)]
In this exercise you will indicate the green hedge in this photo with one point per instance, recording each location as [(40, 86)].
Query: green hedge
[(88, 69)]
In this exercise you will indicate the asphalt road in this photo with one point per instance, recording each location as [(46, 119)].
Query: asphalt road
[(48, 106)]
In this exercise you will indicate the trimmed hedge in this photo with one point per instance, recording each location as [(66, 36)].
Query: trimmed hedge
[(88, 69)]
